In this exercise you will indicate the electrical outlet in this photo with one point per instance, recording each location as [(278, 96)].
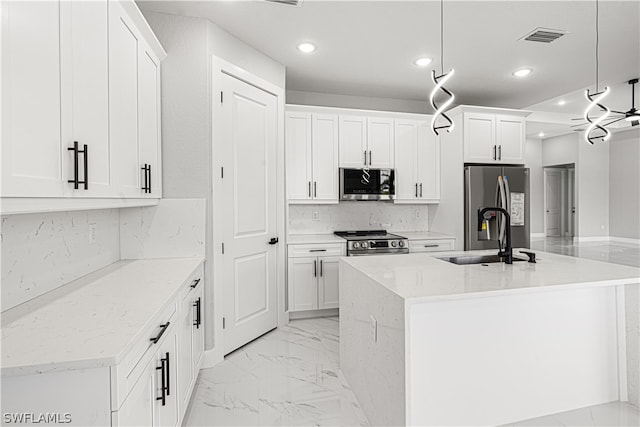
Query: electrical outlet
[(92, 233), (417, 214), (374, 328), (316, 216)]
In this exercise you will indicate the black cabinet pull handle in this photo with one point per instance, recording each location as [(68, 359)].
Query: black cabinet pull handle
[(198, 307), (163, 389), (315, 268), (195, 283), (370, 160), (146, 185), (432, 246), (309, 188), (365, 157), (320, 268), (315, 192), (420, 189), (76, 179), (162, 331), (147, 178), (416, 190), (168, 375), (495, 156), (317, 250), (499, 152), (149, 172)]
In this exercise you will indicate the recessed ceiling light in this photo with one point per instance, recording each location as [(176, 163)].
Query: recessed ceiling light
[(562, 102), (306, 47), (523, 72), (422, 62), (541, 134)]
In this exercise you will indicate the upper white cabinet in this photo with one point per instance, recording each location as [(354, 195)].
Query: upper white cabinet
[(366, 142), (81, 102), (312, 157), (417, 159), (492, 135)]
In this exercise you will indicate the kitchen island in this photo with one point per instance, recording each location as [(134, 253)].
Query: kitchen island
[(427, 342)]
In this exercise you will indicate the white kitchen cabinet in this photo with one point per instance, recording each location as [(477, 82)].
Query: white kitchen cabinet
[(353, 141), (431, 245), (328, 291), (493, 135), (166, 409), (312, 279), (139, 408), (191, 345), (417, 159), (366, 141), (312, 157), (93, 68), (85, 95), (33, 153), (510, 137)]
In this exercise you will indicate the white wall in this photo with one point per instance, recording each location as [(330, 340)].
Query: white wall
[(624, 184), (592, 189), (41, 252), (186, 103), (533, 160), (560, 150), (357, 216), (358, 102)]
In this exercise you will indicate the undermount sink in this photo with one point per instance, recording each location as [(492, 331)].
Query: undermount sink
[(475, 259)]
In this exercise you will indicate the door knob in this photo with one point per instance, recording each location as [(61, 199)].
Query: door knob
[(273, 241)]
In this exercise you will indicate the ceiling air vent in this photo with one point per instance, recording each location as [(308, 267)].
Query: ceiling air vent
[(543, 35), (287, 2)]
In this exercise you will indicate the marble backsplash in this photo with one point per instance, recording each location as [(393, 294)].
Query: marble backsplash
[(357, 216), (43, 251), (173, 229)]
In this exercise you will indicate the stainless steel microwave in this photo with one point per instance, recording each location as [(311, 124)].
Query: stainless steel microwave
[(379, 184)]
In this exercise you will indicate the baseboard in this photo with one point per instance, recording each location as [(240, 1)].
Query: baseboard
[(606, 239), (625, 240), (211, 358), (537, 235), (310, 314)]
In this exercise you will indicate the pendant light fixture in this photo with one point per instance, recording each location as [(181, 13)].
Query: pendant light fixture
[(595, 131), (439, 82)]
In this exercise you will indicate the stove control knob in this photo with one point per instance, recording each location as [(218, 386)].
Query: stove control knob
[(364, 245), (356, 245), (401, 243), (394, 243)]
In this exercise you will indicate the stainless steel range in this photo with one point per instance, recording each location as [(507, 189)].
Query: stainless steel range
[(373, 242)]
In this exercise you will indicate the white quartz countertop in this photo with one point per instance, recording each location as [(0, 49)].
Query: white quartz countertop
[(423, 277), (312, 239), (422, 235), (96, 324)]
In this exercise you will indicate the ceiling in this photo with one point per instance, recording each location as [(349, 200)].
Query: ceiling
[(367, 48)]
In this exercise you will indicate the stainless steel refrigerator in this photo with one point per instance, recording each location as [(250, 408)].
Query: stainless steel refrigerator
[(496, 186)]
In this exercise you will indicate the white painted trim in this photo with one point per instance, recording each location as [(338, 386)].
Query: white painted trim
[(311, 314), (220, 66), (624, 240), (22, 205), (578, 239), (622, 344)]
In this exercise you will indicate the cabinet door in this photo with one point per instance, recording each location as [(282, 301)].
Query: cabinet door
[(328, 295), (510, 139), (167, 414), (85, 92), (198, 333), (353, 141), (479, 137), (299, 155), (428, 164), (32, 150), (149, 121), (380, 142), (123, 101), (325, 157), (138, 409), (303, 283), (406, 146), (185, 354)]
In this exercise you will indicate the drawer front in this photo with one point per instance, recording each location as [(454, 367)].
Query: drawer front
[(193, 283), (324, 249), (126, 373), (416, 246)]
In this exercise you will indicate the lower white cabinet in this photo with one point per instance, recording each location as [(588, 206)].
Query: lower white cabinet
[(313, 276), (191, 345), (431, 245)]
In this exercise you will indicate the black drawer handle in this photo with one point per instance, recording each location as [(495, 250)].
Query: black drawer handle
[(163, 388), (162, 331), (198, 307), (317, 250), (168, 375), (76, 179), (431, 246), (195, 283)]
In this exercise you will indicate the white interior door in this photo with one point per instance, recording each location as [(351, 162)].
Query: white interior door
[(552, 190), (249, 120)]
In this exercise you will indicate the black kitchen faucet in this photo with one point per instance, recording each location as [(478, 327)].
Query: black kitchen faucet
[(507, 253)]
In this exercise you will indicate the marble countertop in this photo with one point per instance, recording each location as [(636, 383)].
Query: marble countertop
[(311, 239), (422, 235), (96, 324), (423, 277)]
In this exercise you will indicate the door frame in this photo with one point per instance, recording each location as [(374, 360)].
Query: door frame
[(545, 171), (219, 67)]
